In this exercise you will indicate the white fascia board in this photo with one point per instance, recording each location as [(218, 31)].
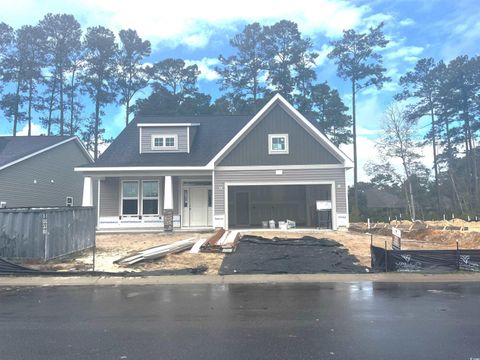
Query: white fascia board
[(340, 154), (84, 149), (166, 124), (42, 151), (142, 168), (282, 167), (244, 129)]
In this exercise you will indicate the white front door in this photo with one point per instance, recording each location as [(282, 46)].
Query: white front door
[(198, 207)]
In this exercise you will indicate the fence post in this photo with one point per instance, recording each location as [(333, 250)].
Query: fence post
[(94, 250), (45, 235), (386, 257), (458, 257)]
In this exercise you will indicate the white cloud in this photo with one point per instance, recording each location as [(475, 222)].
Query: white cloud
[(405, 53), (36, 130), (206, 67), (322, 54), (193, 22), (406, 22)]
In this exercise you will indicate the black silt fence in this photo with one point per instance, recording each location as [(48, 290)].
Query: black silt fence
[(425, 260)]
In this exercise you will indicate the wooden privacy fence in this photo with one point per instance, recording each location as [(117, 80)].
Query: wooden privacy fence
[(46, 233)]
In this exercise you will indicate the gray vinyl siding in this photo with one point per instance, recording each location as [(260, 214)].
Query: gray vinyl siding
[(147, 132), (110, 197), (289, 175), (17, 182), (303, 147)]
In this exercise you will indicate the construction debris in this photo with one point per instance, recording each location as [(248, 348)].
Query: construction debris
[(221, 241), (158, 252), (196, 248)]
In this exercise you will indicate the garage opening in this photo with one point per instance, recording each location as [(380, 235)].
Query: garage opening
[(310, 206)]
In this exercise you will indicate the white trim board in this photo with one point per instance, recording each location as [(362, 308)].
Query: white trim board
[(74, 138), (281, 167), (333, 194), (141, 168), (167, 124), (347, 162)]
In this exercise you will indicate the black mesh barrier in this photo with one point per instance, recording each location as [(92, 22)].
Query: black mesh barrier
[(425, 260)]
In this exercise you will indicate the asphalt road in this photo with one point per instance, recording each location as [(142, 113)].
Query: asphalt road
[(362, 320)]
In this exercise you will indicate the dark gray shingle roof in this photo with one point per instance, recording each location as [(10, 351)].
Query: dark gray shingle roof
[(13, 148), (212, 135)]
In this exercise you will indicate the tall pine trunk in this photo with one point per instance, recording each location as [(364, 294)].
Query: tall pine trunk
[(435, 162), (62, 117), (30, 99), (72, 102), (96, 127), (17, 107), (50, 106), (355, 172)]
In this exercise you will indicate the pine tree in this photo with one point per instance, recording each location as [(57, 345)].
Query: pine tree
[(359, 62), (133, 76)]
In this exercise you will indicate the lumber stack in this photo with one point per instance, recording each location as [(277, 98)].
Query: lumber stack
[(158, 252), (222, 241)]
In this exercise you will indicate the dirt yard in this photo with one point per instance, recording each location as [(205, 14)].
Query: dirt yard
[(111, 247)]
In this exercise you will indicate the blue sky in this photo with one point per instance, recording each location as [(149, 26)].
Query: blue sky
[(198, 31)]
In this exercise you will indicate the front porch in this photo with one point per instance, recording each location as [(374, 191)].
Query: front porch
[(154, 202)]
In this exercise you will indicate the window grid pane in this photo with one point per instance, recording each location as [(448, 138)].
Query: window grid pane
[(130, 189), (170, 141), (150, 189), (278, 143)]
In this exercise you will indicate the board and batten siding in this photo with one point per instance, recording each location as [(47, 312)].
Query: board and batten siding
[(268, 176), (147, 132), (303, 147), (45, 179)]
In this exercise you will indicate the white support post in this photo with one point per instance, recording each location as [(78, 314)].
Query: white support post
[(87, 199), (168, 194), (168, 204)]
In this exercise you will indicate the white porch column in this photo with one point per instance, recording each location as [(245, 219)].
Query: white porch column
[(87, 199), (168, 204), (168, 194)]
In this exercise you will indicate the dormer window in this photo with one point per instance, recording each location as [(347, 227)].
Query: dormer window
[(277, 144), (164, 142)]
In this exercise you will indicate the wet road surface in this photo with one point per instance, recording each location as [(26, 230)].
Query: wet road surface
[(295, 321)]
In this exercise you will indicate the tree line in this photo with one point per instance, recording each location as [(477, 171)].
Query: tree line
[(447, 95)]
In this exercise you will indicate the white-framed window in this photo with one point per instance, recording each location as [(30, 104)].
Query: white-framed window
[(130, 197), (150, 191), (164, 142), (278, 143)]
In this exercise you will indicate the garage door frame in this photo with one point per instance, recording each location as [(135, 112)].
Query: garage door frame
[(273, 183)]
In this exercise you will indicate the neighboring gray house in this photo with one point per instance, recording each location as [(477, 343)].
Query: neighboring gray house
[(38, 171), (220, 171)]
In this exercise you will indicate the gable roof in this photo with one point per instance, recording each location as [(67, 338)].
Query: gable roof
[(14, 149), (215, 135), (311, 126)]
